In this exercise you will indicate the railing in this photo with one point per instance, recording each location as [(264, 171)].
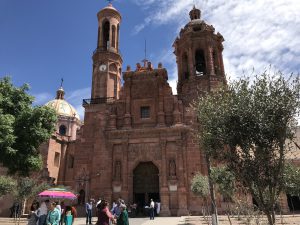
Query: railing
[(94, 101), (107, 49)]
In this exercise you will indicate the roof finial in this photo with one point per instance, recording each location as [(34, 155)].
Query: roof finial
[(60, 92), (109, 2), (61, 83), (195, 13), (145, 60)]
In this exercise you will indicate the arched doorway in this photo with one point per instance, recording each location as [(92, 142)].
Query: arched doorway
[(145, 183)]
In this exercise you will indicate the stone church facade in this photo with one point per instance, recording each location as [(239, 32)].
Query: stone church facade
[(137, 141)]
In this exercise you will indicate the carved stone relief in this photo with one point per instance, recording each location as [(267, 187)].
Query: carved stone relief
[(145, 151)]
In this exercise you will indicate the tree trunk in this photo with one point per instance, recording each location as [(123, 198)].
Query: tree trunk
[(214, 215), (271, 218)]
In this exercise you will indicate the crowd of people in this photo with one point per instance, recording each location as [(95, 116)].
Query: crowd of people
[(51, 213), (56, 213), (118, 214)]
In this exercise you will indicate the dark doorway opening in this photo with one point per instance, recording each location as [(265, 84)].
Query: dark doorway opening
[(293, 203), (145, 186)]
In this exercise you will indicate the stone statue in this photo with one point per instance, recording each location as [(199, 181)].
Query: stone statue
[(172, 168), (118, 171)]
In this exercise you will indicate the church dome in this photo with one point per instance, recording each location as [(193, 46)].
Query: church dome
[(61, 106)]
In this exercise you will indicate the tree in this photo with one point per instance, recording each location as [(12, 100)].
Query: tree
[(23, 128), (7, 185), (28, 188), (245, 126), (225, 181), (199, 186)]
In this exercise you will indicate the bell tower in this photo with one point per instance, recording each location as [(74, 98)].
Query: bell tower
[(107, 60), (198, 51)]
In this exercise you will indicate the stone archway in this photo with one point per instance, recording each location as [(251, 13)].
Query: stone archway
[(145, 183)]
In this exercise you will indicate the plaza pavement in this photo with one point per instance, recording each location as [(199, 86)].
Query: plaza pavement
[(188, 220)]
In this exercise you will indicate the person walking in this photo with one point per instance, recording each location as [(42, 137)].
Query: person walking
[(53, 216), (104, 215), (152, 209), (123, 218), (43, 212), (88, 211)]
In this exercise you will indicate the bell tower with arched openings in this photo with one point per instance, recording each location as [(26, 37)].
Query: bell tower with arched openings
[(107, 60), (198, 51)]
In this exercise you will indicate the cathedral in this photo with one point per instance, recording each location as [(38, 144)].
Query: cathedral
[(137, 138)]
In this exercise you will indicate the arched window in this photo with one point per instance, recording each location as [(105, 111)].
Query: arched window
[(200, 62), (185, 66), (113, 40), (62, 130), (106, 29)]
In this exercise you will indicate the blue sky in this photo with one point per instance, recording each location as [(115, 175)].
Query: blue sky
[(43, 41)]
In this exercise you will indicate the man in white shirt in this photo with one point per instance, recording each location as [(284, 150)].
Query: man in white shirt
[(152, 209)]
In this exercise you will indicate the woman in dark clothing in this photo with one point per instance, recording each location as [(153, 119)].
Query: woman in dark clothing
[(104, 214)]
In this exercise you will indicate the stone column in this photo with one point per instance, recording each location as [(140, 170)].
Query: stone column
[(160, 114), (125, 168), (221, 61), (182, 192), (176, 113), (211, 61), (191, 62), (127, 117), (62, 163), (164, 191)]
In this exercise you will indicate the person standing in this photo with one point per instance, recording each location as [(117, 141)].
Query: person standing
[(123, 218), (88, 211), (68, 217), (74, 213), (53, 216), (43, 212), (62, 212), (33, 217), (152, 209)]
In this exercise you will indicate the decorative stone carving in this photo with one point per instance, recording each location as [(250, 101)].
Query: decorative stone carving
[(118, 175), (147, 151), (172, 168)]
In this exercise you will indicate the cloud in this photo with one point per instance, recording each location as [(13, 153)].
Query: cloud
[(75, 99), (42, 98), (257, 33)]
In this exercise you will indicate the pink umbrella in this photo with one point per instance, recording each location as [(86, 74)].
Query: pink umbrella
[(57, 193)]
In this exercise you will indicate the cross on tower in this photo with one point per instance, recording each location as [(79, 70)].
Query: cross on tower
[(109, 1)]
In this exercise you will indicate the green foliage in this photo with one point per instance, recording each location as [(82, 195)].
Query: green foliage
[(199, 186), (225, 181), (246, 125), (23, 128), (292, 180), (28, 187), (7, 185)]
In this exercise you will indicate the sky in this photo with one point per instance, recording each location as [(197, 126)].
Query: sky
[(44, 41)]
